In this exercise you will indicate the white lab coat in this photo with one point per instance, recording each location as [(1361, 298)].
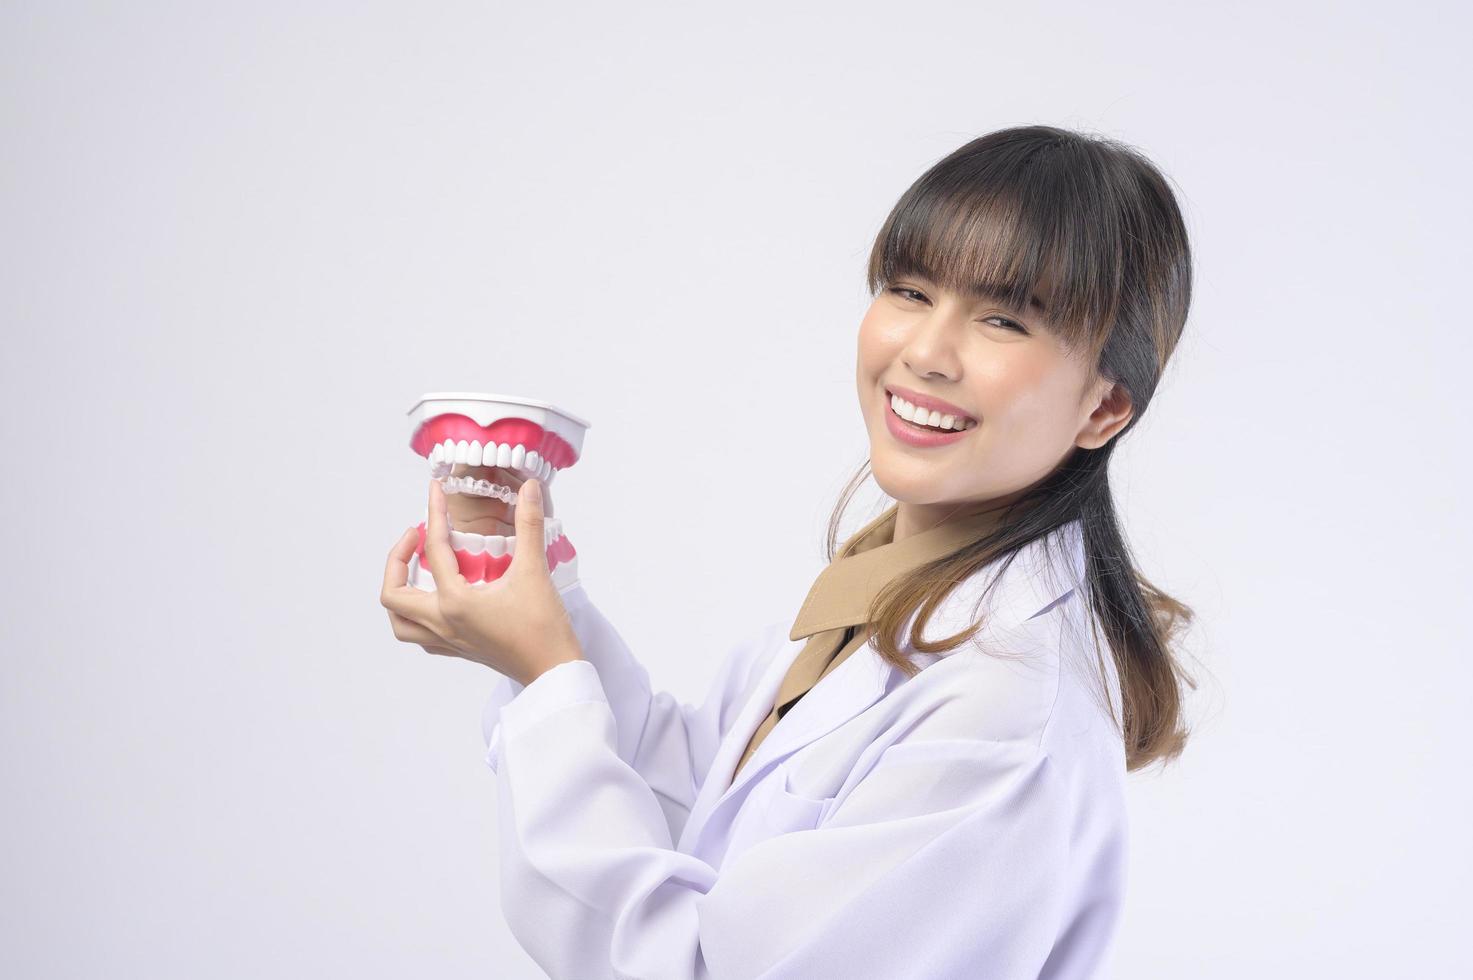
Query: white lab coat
[(969, 822)]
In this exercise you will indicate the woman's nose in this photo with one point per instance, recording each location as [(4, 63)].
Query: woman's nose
[(931, 348)]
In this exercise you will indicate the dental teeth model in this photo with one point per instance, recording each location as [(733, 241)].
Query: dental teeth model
[(482, 447)]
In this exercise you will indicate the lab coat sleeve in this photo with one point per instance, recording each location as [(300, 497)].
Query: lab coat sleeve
[(945, 859), (670, 744)]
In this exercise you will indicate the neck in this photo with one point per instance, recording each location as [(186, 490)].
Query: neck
[(915, 518)]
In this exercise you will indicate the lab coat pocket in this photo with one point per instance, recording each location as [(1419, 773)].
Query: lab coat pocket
[(772, 809), (787, 810)]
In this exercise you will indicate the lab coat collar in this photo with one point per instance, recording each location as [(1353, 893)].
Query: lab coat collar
[(1041, 573), (842, 593)]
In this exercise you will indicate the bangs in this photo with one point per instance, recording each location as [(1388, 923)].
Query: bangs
[(1009, 230)]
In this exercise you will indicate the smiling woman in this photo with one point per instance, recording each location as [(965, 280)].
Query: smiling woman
[(1037, 281), (913, 777)]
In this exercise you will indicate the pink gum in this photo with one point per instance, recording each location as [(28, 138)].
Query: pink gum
[(458, 428)]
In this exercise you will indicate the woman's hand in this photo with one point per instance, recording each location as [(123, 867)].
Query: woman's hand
[(516, 625)]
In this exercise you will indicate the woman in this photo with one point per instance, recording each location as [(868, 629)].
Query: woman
[(922, 775)]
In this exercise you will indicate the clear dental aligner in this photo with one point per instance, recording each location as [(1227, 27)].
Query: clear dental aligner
[(476, 488), (510, 440)]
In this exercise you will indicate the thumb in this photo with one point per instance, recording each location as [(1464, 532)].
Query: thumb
[(531, 545)]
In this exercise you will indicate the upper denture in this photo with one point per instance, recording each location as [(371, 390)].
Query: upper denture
[(509, 442)]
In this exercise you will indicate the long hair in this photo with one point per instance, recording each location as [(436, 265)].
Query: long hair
[(1002, 212)]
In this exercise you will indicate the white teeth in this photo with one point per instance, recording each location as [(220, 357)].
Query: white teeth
[(935, 420), (497, 545), (517, 457)]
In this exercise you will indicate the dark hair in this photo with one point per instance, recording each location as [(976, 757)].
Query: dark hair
[(1098, 220)]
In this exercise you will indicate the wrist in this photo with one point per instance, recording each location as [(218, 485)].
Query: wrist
[(544, 667)]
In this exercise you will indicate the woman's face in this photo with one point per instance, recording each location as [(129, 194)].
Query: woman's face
[(1028, 402)]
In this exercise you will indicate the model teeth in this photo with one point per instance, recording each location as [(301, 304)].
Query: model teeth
[(477, 488), (447, 454), (497, 545), (933, 420)]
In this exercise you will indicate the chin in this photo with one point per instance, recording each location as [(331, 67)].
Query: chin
[(900, 488)]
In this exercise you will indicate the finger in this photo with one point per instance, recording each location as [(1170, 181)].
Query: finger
[(415, 605), (397, 595), (396, 572), (531, 550), (408, 631), (439, 553)]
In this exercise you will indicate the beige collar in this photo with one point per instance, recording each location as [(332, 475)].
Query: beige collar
[(842, 593)]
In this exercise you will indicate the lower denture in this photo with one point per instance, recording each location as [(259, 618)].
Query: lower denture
[(485, 567)]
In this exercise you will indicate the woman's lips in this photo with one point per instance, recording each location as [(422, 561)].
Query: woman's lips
[(928, 403), (914, 435)]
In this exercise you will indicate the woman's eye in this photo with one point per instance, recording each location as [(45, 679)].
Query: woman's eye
[(1009, 324), (1006, 323)]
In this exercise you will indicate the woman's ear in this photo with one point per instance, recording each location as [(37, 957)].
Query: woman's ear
[(1111, 412)]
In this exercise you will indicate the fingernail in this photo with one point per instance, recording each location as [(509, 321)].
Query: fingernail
[(534, 491)]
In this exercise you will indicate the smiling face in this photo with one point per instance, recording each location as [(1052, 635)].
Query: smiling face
[(1029, 400)]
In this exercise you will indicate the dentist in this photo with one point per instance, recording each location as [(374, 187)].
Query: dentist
[(921, 775)]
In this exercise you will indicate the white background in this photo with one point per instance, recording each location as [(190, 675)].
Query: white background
[(239, 240)]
